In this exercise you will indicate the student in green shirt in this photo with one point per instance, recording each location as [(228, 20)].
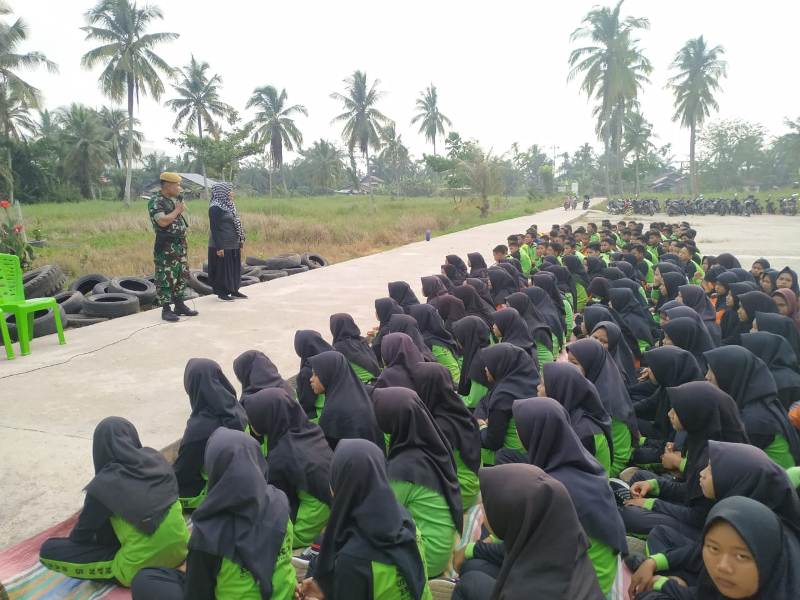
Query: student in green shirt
[(580, 279), (131, 518), (227, 560), (308, 343), (422, 472), (472, 334), (440, 342), (524, 259), (537, 327), (347, 340)]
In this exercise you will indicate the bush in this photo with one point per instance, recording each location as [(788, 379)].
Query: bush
[(12, 237)]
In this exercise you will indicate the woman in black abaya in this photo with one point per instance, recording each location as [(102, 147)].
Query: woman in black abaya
[(347, 340)]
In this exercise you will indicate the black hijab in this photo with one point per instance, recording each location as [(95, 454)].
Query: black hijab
[(545, 545), (479, 285), (553, 446), (672, 282), (460, 266), (547, 281), (477, 265), (793, 275), (255, 371), (451, 309), (535, 321), (599, 289), (243, 518), (744, 275), (473, 335), (384, 308), (514, 372), (308, 343), (549, 312), (432, 288), (401, 357), (634, 314), (594, 266), (596, 313), (564, 282), (756, 302), (474, 305), (347, 340), (408, 325), (503, 285), (446, 282), (619, 350), (671, 366), (348, 411), (780, 325), (213, 401), (431, 325), (367, 522), (513, 330), (633, 287), (134, 483), (419, 452), (729, 261), (298, 456), (690, 335), (613, 273), (575, 266), (624, 266), (780, 359), (401, 292), (732, 327), (695, 297)]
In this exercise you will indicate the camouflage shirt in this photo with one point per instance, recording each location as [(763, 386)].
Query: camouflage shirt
[(158, 206)]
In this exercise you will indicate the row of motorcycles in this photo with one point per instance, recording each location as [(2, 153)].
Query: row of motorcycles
[(705, 206)]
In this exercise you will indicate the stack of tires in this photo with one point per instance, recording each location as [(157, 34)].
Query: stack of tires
[(43, 282), (96, 298)]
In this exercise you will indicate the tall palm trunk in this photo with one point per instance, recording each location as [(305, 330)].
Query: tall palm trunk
[(637, 174), (129, 159), (202, 157), (607, 170), (369, 180), (692, 165), (434, 145)]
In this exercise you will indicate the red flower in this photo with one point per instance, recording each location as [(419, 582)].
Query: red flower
[(5, 203), (18, 228)]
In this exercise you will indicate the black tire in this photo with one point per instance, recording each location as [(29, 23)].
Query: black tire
[(249, 280), (44, 323), (250, 270), (86, 284), (110, 305), (296, 270), (314, 261), (70, 301), (43, 282), (135, 286), (254, 261), (198, 281), (270, 275), (103, 288), (276, 263), (190, 294), (77, 321)]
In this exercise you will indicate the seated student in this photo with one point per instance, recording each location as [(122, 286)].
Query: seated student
[(788, 305), (781, 361), (502, 286), (347, 340), (544, 550), (401, 357), (440, 342), (547, 281), (636, 317), (704, 413), (298, 457), (747, 553), (472, 334), (695, 298), (477, 266), (241, 544), (308, 343), (731, 324), (348, 410), (512, 374), (740, 373), (537, 327), (551, 315), (597, 366), (432, 288), (256, 372), (787, 280), (408, 325), (214, 405), (499, 253), (371, 547), (481, 287), (456, 422), (581, 279), (385, 308), (687, 333), (462, 272), (422, 472), (474, 305), (510, 328), (131, 518), (451, 309), (401, 292), (609, 335), (554, 447)]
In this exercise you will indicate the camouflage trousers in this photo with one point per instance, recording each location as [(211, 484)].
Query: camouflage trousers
[(172, 271)]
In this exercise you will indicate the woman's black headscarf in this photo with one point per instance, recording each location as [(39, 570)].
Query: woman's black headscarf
[(419, 452), (594, 266), (446, 282), (626, 267), (706, 413), (401, 292), (477, 266), (537, 325), (619, 350), (255, 371), (308, 343), (480, 286), (348, 411), (514, 372), (547, 281), (793, 275), (665, 267), (672, 282), (514, 269), (460, 267), (781, 361), (545, 544), (367, 522), (549, 312), (473, 335), (432, 288), (513, 330), (599, 289), (243, 518), (596, 313), (401, 357), (744, 275), (732, 327), (384, 308), (564, 282), (435, 387), (671, 366), (213, 401), (612, 273), (432, 328), (503, 285), (347, 340), (775, 548), (695, 297), (691, 336), (553, 446), (729, 261), (756, 302), (575, 266), (408, 325), (636, 317), (633, 287), (474, 305), (134, 483), (452, 274), (451, 309), (298, 456), (772, 276), (780, 325)]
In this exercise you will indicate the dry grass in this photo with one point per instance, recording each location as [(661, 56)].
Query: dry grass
[(104, 237)]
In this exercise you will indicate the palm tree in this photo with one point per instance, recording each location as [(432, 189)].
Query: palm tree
[(115, 121), (614, 69), (274, 124), (131, 65), (325, 162), (700, 69), (394, 152), (433, 121), (638, 134), (482, 172), (87, 147), (362, 120)]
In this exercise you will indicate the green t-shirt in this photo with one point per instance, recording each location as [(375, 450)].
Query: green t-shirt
[(780, 452), (544, 354), (623, 449), (447, 359), (319, 405), (364, 375), (605, 563), (468, 482), (583, 297), (602, 452), (312, 516), (569, 316), (794, 476), (476, 392)]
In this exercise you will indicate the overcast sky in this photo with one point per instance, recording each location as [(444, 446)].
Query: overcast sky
[(500, 66)]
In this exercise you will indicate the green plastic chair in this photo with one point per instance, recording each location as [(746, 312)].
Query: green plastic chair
[(12, 300)]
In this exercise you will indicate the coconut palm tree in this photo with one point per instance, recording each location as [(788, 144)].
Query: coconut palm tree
[(637, 140), (131, 67), (362, 120), (433, 121), (325, 164), (85, 142), (115, 121), (394, 152), (699, 70), (614, 69), (274, 124)]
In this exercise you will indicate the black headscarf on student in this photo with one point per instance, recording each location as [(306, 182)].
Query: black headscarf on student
[(601, 370), (432, 288), (633, 286), (564, 282), (672, 282), (690, 335), (367, 522), (775, 549), (513, 267), (793, 274), (503, 285), (594, 266), (535, 321), (347, 340), (514, 372), (547, 281), (348, 410), (408, 325), (298, 456), (770, 274), (567, 386), (671, 367), (432, 328), (452, 274), (553, 446), (627, 268), (756, 302), (729, 261), (460, 265), (401, 292), (243, 518), (451, 309), (744, 470), (596, 313), (634, 314), (619, 350), (599, 289), (695, 297), (744, 275), (473, 335), (613, 273), (446, 282), (725, 280), (575, 266), (780, 359), (545, 545), (706, 413), (479, 285), (134, 483), (213, 401), (477, 266), (384, 308), (474, 305), (513, 330), (665, 267), (419, 452), (732, 327), (401, 357), (780, 325), (255, 371), (308, 343), (549, 312)]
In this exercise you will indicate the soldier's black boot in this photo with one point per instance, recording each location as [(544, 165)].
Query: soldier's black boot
[(168, 315), (182, 309)]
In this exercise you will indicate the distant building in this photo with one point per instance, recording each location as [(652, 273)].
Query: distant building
[(366, 185), (671, 182)]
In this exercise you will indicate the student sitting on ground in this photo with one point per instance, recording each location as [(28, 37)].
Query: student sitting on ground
[(347, 340), (256, 372)]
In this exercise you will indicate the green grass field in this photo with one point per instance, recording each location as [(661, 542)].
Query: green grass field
[(105, 237)]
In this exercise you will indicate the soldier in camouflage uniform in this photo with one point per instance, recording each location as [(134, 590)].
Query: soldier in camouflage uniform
[(169, 253)]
